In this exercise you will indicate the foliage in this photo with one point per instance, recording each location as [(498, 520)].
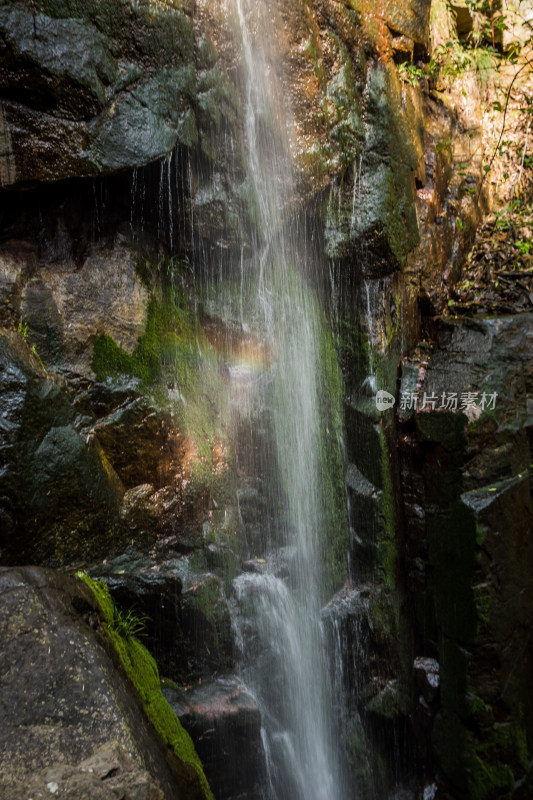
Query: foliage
[(454, 59), (23, 330), (142, 671), (411, 74), (489, 22), (498, 273), (495, 62), (480, 50), (128, 623)]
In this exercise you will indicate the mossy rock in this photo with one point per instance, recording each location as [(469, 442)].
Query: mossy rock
[(142, 671)]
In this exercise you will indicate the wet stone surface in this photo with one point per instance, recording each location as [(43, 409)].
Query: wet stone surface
[(225, 725)]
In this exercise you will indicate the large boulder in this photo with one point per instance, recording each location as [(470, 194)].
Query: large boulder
[(76, 729), (68, 305), (92, 91)]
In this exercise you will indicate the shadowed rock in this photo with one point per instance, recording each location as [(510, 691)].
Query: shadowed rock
[(225, 725)]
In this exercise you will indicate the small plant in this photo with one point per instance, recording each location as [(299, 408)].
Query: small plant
[(442, 147), (411, 74), (452, 60), (33, 350), (128, 623), (23, 330)]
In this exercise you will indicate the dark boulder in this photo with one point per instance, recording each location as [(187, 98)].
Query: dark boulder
[(71, 724), (225, 725)]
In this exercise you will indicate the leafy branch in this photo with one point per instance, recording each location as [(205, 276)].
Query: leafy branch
[(488, 167)]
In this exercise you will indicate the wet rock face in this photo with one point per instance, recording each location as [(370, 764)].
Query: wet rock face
[(51, 478), (156, 597), (410, 19), (161, 76), (373, 694), (88, 467), (68, 307), (93, 90), (111, 772), (467, 499), (187, 631), (225, 723), (77, 728)]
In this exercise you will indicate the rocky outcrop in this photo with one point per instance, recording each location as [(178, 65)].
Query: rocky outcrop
[(187, 628), (52, 478), (127, 466), (109, 773), (467, 496), (93, 91), (72, 724)]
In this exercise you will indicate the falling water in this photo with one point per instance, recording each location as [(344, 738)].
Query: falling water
[(161, 216), (289, 677), (370, 384), (357, 170), (169, 203), (133, 197)]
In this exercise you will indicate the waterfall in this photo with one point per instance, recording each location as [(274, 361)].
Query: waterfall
[(278, 626)]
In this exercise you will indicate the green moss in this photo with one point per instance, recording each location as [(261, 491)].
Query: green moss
[(511, 738), (312, 50), (144, 269), (392, 189), (173, 351), (177, 367), (216, 97), (339, 109), (142, 671), (109, 360), (168, 683), (498, 758), (483, 598), (489, 781), (478, 708), (367, 764), (206, 597), (382, 616)]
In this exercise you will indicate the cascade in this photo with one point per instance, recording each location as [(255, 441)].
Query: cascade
[(277, 615)]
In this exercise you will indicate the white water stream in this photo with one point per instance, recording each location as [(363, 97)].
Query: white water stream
[(286, 663)]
